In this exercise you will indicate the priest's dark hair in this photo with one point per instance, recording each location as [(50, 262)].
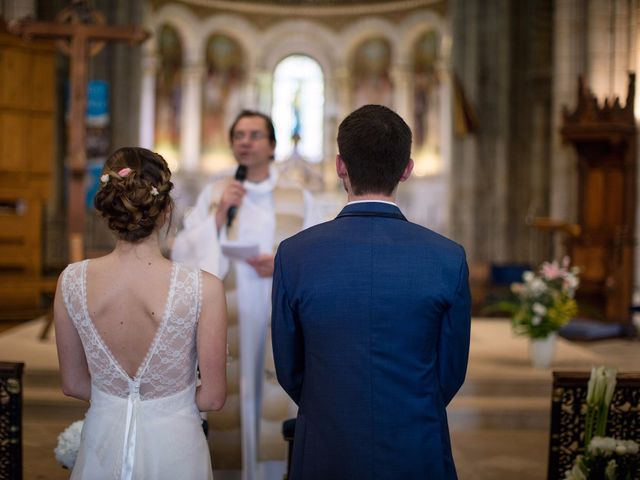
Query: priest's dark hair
[(375, 145), (254, 113)]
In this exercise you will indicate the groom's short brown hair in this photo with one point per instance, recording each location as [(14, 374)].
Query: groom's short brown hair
[(375, 145)]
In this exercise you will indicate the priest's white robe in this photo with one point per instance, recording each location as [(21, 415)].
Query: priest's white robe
[(198, 244)]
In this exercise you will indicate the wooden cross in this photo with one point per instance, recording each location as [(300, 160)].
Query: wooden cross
[(80, 32)]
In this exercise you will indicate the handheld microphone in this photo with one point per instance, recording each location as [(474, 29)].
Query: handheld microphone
[(241, 175)]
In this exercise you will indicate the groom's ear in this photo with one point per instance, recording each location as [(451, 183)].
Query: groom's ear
[(407, 171), (341, 168)]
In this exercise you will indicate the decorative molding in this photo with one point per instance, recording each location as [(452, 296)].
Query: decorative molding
[(235, 27), (419, 23), (360, 8), (303, 37), (183, 21), (365, 29), (588, 111)]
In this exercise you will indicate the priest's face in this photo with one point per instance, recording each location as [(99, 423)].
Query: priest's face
[(251, 145)]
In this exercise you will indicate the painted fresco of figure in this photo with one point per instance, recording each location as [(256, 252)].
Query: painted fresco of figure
[(371, 67), (168, 94), (426, 99), (221, 99)]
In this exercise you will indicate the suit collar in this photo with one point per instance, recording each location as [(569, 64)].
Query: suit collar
[(372, 209)]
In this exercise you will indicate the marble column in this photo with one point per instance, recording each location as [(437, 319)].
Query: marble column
[(402, 89), (480, 160), (570, 61), (148, 100), (263, 81), (464, 58), (343, 92), (191, 117), (446, 141)]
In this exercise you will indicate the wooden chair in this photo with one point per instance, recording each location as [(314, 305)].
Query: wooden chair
[(568, 408)]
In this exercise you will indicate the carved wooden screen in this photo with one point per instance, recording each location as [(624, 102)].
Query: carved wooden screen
[(605, 140), (568, 408), (11, 420)]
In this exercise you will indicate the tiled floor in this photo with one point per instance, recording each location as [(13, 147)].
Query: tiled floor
[(499, 421)]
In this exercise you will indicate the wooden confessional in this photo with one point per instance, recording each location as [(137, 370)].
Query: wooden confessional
[(27, 108), (604, 137)]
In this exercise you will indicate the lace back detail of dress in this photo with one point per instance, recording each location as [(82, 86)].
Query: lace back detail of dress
[(172, 359), (170, 364)]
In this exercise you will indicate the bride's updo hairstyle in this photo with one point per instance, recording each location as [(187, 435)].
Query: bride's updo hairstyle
[(134, 192)]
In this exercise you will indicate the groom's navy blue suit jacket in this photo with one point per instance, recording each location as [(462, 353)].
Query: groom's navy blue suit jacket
[(370, 330)]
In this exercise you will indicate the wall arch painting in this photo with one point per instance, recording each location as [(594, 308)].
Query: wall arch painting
[(223, 84), (427, 104), (168, 95), (371, 73)]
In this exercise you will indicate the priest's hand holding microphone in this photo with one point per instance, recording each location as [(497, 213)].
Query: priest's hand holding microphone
[(226, 213), (231, 199)]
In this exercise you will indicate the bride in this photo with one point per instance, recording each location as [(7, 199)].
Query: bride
[(131, 330)]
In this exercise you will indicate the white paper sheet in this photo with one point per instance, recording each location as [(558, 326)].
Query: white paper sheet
[(239, 250)]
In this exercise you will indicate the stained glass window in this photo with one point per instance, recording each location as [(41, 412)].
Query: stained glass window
[(298, 103)]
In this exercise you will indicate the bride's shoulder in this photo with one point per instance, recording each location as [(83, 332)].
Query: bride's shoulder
[(211, 285), (73, 268)]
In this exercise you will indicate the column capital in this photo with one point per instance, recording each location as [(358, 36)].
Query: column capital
[(150, 64), (194, 69)]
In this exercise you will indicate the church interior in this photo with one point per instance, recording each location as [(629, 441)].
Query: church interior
[(524, 117)]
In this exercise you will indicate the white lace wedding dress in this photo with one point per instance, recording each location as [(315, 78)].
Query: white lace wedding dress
[(146, 427)]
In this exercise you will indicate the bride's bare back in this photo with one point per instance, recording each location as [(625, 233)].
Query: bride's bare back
[(126, 302)]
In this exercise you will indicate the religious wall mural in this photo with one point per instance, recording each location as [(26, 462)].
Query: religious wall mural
[(168, 95), (221, 98), (371, 73), (426, 103)]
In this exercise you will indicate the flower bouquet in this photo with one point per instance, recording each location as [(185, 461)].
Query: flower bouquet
[(604, 458), (607, 458), (68, 445), (544, 302)]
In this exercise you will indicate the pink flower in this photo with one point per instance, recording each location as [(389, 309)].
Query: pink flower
[(124, 172), (551, 271)]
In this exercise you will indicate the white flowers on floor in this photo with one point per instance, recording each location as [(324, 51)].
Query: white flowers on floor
[(68, 445), (603, 458), (607, 446), (606, 459)]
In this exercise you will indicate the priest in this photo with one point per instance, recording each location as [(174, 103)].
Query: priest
[(233, 232)]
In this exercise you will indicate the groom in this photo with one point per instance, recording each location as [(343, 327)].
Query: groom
[(370, 322)]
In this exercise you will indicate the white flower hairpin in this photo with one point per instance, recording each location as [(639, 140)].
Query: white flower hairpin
[(104, 179), (154, 191)]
